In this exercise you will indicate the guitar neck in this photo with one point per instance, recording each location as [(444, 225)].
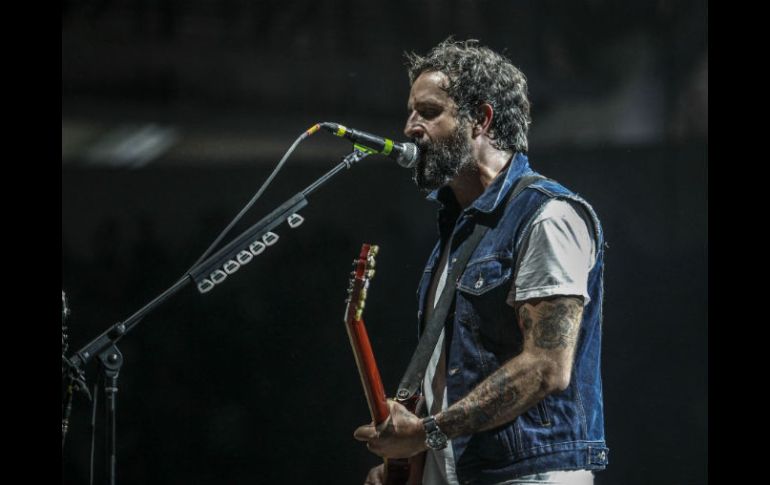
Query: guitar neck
[(397, 471), (367, 370)]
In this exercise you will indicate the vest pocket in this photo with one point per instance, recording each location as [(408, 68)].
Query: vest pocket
[(482, 276), (481, 306), (494, 445)]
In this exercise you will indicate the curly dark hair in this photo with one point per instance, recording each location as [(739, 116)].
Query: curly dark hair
[(479, 75)]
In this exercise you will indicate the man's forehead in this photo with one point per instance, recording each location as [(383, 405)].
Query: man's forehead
[(437, 78), (430, 86)]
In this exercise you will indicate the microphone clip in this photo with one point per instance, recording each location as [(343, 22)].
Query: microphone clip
[(359, 153)]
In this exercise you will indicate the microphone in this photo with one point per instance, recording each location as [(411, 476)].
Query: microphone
[(403, 153)]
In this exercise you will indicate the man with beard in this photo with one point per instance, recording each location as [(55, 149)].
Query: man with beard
[(512, 391)]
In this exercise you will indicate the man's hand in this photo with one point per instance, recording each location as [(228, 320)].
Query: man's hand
[(400, 436), (376, 475)]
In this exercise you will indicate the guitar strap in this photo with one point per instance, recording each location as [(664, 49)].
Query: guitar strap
[(415, 372)]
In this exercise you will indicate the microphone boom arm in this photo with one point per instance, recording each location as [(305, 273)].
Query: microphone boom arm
[(113, 334)]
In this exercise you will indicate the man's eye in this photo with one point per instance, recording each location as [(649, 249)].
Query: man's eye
[(430, 113)]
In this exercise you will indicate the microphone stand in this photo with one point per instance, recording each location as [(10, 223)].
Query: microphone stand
[(75, 381), (104, 347)]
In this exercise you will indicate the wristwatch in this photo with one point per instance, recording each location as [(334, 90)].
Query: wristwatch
[(434, 437)]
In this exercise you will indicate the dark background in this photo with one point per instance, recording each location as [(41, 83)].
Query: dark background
[(174, 113)]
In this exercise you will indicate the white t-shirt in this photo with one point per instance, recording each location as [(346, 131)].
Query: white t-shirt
[(554, 260)]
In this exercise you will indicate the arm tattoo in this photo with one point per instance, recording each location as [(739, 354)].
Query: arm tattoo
[(484, 407), (551, 325), (526, 318), (555, 323)]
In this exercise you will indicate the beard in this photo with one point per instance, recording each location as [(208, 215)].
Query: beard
[(440, 161)]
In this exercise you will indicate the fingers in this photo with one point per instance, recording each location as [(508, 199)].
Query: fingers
[(385, 426), (365, 433), (376, 476), (375, 447), (398, 409), (370, 435)]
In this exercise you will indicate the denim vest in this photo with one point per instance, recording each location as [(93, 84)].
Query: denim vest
[(565, 431)]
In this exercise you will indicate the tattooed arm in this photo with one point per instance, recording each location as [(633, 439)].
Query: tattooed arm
[(550, 328)]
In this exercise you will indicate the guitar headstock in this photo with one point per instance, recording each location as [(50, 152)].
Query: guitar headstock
[(362, 274)]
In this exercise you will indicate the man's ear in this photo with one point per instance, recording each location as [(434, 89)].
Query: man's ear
[(484, 117)]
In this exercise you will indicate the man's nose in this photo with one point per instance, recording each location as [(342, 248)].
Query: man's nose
[(412, 130)]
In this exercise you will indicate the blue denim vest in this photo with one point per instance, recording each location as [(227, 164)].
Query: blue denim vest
[(565, 431)]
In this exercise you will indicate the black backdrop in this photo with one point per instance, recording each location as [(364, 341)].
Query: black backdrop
[(254, 382)]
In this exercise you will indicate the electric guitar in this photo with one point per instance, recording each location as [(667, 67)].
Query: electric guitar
[(397, 471)]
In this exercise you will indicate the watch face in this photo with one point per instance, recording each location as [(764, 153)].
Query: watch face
[(437, 440)]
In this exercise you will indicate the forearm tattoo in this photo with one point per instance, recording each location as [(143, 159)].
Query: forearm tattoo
[(485, 405), (552, 325)]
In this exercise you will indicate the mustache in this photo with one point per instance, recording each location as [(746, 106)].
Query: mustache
[(427, 147), (422, 144), (441, 160)]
